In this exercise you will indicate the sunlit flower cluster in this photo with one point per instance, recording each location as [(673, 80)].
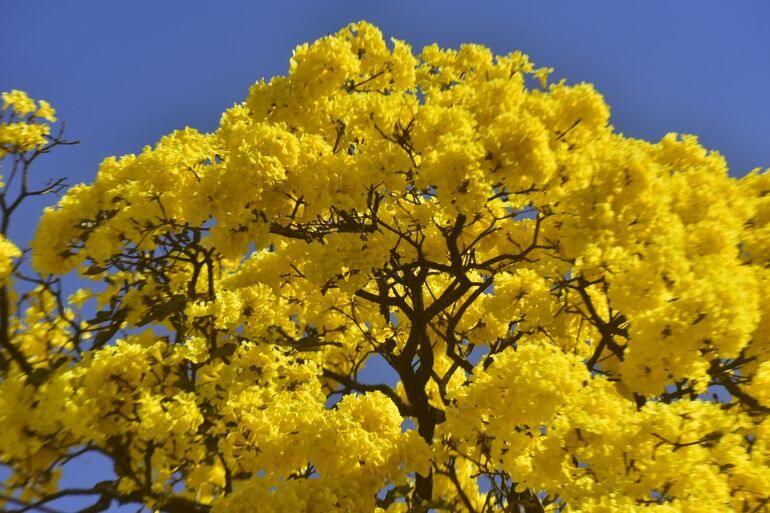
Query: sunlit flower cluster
[(558, 301)]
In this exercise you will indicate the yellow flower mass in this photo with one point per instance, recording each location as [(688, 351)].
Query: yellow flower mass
[(577, 320)]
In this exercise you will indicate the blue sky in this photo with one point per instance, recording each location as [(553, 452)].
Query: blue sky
[(122, 74)]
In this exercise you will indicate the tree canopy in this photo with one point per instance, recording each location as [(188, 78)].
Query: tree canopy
[(577, 319)]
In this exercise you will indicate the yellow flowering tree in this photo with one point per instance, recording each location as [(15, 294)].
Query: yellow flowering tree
[(576, 318)]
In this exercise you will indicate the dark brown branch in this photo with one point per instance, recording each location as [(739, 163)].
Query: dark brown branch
[(403, 408)]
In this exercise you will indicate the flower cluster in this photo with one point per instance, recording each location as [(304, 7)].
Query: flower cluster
[(557, 302)]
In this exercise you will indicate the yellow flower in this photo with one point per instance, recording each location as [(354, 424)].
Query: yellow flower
[(19, 101), (550, 299), (45, 111), (8, 251)]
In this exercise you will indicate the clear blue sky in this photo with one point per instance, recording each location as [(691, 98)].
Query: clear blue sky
[(122, 74)]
